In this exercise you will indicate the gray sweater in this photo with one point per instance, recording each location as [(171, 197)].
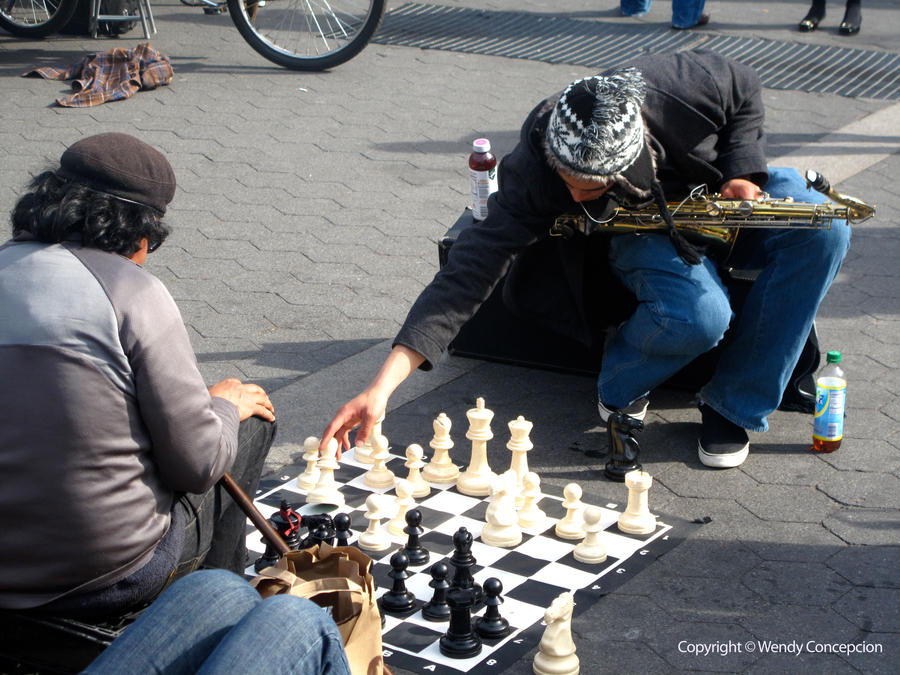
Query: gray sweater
[(103, 418)]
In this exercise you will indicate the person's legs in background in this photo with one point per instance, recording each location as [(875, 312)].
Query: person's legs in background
[(688, 13), (634, 7)]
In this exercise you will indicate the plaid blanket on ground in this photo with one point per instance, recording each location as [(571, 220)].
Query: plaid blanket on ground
[(112, 76)]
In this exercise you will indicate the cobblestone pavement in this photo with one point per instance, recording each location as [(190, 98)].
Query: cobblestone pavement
[(306, 222)]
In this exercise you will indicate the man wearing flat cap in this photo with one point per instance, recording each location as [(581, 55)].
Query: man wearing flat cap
[(111, 444), (651, 131)]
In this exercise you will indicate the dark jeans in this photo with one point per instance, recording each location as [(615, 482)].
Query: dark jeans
[(207, 530)]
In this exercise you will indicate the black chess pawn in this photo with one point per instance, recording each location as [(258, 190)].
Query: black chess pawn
[(320, 535), (492, 626), (417, 554), (267, 559), (624, 450), (342, 529), (398, 600), (463, 561), (460, 641), (437, 608)]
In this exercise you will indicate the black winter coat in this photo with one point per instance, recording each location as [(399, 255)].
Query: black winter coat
[(704, 116)]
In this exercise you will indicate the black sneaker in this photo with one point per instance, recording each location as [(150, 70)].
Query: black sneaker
[(723, 444), (637, 410)]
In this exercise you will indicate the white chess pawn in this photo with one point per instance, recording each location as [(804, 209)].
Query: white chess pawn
[(379, 476), (637, 519), (404, 502), (375, 538), (414, 463), (556, 651), (326, 490), (590, 550), (308, 479), (441, 469), (531, 515), (502, 523), (477, 479), (519, 445), (572, 525)]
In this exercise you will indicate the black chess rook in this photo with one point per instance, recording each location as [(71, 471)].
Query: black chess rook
[(460, 640)]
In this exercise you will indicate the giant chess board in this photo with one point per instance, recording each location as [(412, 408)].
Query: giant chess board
[(533, 573)]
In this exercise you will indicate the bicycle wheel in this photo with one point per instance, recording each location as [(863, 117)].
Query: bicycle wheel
[(307, 34), (35, 18)]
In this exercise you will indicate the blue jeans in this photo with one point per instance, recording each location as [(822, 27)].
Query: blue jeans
[(684, 311), (213, 621), (685, 13)]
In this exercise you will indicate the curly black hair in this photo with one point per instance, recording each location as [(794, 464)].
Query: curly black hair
[(56, 209)]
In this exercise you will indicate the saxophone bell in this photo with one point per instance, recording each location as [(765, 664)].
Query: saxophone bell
[(857, 210)]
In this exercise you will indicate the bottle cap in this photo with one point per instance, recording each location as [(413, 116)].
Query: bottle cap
[(481, 145), (833, 357)]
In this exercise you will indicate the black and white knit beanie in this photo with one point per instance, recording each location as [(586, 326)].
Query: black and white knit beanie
[(596, 132), (596, 128)]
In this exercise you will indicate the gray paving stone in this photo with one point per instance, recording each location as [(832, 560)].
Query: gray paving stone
[(874, 566), (875, 527), (795, 583), (875, 610)]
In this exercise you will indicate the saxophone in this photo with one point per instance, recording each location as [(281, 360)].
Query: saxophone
[(710, 220)]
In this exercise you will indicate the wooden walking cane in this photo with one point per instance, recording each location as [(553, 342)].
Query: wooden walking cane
[(242, 500)]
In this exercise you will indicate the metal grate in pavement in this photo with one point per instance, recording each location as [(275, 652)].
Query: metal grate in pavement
[(542, 37)]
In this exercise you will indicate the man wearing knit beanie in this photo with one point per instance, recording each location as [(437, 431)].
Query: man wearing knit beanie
[(648, 132), (111, 445)]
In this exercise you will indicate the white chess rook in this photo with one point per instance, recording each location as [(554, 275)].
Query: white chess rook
[(556, 652), (441, 469), (637, 519), (477, 479), (519, 445)]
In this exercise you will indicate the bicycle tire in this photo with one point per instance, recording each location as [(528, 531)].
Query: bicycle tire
[(307, 34), (35, 18)]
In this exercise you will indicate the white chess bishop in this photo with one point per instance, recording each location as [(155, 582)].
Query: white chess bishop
[(441, 468), (531, 515)]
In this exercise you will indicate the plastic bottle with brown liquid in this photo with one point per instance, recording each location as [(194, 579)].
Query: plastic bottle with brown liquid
[(831, 399), (483, 176)]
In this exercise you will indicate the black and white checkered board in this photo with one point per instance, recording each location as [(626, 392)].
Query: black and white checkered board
[(533, 573)]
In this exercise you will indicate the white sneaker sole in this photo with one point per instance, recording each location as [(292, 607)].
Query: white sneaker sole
[(719, 461), (606, 412)]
